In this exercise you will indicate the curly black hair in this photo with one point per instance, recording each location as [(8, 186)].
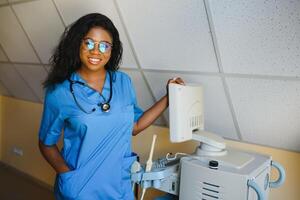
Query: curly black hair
[(65, 59)]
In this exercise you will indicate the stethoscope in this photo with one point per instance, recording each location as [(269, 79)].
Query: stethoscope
[(105, 106)]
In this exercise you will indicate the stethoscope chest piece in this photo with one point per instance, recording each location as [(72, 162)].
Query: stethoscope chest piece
[(105, 107)]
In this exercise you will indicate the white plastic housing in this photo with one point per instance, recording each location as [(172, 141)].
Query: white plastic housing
[(186, 113)]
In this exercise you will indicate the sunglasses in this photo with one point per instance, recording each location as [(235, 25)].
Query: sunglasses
[(103, 47)]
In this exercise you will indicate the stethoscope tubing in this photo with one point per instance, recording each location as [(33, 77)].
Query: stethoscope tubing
[(105, 107)]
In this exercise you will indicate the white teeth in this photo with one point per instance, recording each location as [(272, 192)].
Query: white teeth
[(94, 59)]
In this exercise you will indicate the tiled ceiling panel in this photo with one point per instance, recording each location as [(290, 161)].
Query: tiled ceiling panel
[(16, 85), (3, 2), (14, 1), (71, 10), (34, 75), (217, 116), (258, 37), (43, 25), (169, 35), (13, 39), (2, 55), (268, 111), (48, 67), (3, 90), (144, 98)]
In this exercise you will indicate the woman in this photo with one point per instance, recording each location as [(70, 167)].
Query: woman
[(96, 107)]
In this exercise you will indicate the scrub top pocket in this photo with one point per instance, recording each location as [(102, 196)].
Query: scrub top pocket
[(127, 109), (128, 113), (126, 172), (126, 165)]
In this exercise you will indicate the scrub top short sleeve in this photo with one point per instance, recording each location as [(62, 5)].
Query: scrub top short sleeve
[(52, 120), (138, 112)]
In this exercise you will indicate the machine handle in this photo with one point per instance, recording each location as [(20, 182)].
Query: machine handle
[(253, 185), (281, 177)]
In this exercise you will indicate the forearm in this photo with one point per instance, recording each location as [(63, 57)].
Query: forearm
[(53, 157), (151, 115)]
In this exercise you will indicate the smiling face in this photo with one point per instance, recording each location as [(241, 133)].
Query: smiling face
[(91, 57)]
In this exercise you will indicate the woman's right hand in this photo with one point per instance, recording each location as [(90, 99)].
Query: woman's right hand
[(53, 157)]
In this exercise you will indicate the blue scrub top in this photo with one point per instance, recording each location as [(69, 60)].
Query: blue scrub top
[(96, 146)]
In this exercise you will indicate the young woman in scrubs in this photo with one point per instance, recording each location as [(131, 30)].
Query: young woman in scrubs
[(95, 105)]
